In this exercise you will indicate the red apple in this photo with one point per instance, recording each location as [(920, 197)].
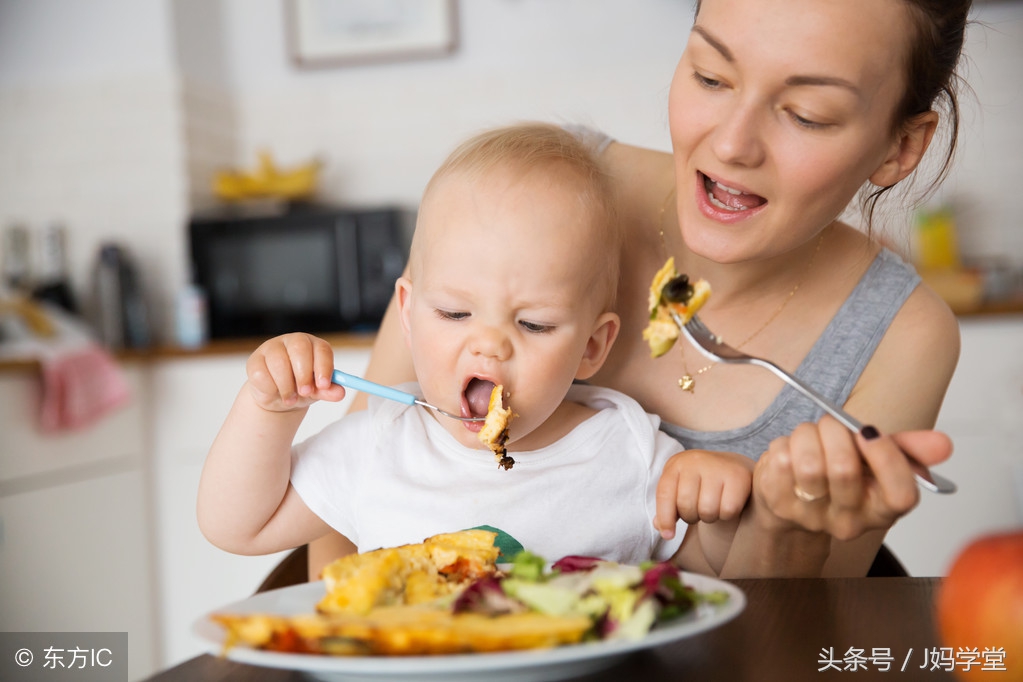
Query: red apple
[(980, 605)]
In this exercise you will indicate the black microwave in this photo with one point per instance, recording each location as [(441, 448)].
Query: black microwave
[(314, 269)]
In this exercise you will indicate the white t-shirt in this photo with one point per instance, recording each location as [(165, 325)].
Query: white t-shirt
[(392, 475)]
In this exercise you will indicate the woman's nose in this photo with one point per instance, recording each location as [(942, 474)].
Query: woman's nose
[(738, 136), (491, 342)]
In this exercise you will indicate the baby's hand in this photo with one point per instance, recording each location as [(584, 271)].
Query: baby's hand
[(697, 485), (291, 372)]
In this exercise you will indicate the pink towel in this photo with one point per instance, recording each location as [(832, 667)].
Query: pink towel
[(79, 387)]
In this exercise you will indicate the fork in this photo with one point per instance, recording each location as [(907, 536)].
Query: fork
[(714, 348), (366, 386)]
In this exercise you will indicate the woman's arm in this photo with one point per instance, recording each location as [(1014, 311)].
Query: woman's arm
[(867, 482)]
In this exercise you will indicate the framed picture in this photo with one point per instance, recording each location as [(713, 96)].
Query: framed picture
[(339, 32)]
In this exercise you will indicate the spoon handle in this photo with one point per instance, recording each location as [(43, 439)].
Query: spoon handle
[(359, 384)]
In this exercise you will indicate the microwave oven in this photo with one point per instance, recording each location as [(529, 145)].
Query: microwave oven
[(313, 269)]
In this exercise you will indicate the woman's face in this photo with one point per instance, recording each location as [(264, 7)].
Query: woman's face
[(779, 111)]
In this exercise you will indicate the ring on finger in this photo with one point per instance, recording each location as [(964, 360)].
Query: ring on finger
[(805, 496)]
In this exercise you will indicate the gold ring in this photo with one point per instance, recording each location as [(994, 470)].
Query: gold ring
[(805, 496)]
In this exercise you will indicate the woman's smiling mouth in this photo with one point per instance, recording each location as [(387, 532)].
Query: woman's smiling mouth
[(728, 198)]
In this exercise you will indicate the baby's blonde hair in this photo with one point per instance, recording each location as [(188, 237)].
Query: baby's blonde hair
[(531, 147)]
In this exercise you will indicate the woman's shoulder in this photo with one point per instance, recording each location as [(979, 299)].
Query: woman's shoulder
[(926, 321), (646, 171), (916, 357)]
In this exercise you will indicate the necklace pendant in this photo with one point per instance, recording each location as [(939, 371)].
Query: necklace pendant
[(687, 383)]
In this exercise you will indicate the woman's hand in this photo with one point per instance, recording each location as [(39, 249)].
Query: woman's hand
[(825, 479), (292, 371)]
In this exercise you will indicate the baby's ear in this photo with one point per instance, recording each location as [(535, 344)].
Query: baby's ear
[(907, 149), (605, 331), (403, 292)]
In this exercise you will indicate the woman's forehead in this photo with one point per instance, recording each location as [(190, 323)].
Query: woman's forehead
[(861, 41)]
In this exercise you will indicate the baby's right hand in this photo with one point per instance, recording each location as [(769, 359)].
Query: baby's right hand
[(699, 485), (291, 372)]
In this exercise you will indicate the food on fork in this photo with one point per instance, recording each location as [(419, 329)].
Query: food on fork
[(527, 605), (494, 433), (671, 292)]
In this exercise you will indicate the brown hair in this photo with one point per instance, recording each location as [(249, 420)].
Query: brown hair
[(532, 147), (932, 81)]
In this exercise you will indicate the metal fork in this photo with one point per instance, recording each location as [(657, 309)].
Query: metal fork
[(714, 348)]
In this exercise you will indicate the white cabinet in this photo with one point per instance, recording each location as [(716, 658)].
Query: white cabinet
[(983, 413), (75, 522), (191, 397)]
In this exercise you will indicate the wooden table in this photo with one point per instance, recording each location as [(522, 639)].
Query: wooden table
[(790, 629)]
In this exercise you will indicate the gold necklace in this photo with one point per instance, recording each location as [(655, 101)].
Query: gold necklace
[(688, 382)]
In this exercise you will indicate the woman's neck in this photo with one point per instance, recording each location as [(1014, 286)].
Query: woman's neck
[(736, 285)]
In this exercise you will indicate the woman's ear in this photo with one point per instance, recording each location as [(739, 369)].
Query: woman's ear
[(906, 150), (403, 292), (605, 331)]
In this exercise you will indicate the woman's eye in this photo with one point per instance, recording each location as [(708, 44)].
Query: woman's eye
[(706, 81), (451, 314), (535, 328), (804, 122)]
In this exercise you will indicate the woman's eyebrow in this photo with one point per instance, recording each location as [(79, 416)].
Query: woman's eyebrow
[(793, 81), (714, 42), (796, 81)]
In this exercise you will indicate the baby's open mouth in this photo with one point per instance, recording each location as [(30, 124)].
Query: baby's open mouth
[(477, 396), (728, 198)]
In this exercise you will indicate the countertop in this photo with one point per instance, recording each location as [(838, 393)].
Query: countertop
[(1007, 308), (213, 348)]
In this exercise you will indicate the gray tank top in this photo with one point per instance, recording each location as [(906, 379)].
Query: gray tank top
[(832, 366)]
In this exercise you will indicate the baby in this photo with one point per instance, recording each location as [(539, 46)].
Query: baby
[(512, 278)]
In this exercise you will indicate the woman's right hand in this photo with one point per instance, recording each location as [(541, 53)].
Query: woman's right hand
[(823, 478), (292, 371)]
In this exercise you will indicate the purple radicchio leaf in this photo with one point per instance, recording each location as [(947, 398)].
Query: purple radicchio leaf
[(663, 582), (574, 563), (486, 596), (655, 579)]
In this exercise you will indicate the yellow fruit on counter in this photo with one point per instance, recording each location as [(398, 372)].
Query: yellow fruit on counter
[(267, 181)]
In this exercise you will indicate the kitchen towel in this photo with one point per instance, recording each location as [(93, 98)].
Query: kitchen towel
[(80, 386), (81, 380)]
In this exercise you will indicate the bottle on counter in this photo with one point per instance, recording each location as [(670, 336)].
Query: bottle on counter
[(121, 316), (52, 282), (190, 325), (15, 266)]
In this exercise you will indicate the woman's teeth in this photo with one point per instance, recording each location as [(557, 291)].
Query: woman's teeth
[(712, 185)]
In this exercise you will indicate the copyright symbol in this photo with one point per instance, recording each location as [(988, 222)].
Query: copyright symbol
[(23, 657)]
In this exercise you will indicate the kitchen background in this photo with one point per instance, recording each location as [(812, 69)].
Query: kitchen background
[(114, 117)]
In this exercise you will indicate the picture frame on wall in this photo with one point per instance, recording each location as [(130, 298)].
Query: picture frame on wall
[(324, 33)]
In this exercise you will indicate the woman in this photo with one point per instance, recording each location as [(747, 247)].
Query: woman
[(780, 113)]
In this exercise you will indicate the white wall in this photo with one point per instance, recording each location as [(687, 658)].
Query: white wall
[(383, 128), (90, 130)]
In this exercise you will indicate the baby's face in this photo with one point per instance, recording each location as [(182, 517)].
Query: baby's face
[(503, 290)]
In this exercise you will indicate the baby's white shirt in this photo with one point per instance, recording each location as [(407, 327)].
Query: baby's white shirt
[(392, 475)]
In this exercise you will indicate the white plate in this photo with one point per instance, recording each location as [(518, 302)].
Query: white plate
[(520, 666)]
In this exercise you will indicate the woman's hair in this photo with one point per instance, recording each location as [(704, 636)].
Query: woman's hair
[(931, 78), (530, 148)]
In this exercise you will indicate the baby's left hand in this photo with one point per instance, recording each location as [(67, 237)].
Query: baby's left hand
[(698, 485)]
